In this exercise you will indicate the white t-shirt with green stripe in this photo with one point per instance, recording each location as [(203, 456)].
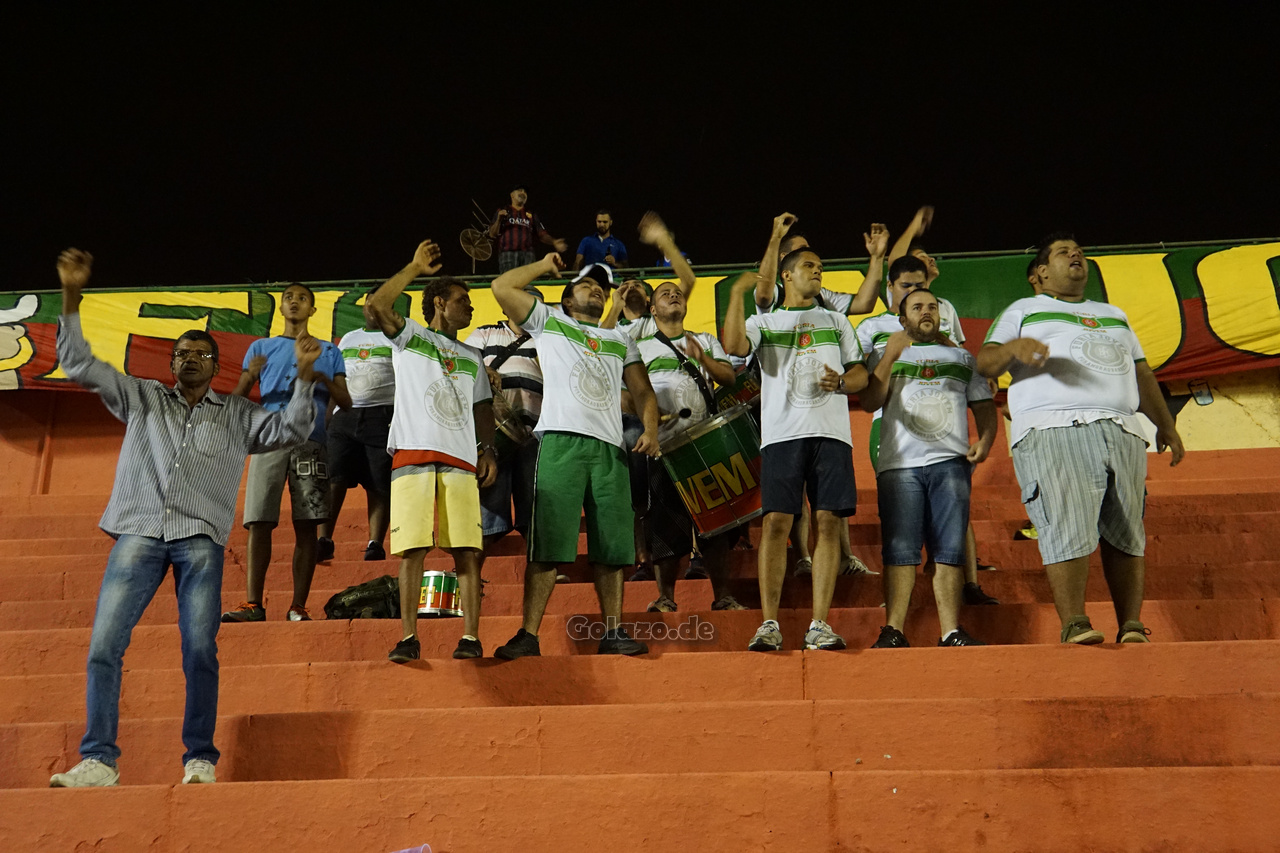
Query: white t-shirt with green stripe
[(438, 382), (926, 418), (581, 373), (672, 383), (793, 346), (371, 377), (1089, 374)]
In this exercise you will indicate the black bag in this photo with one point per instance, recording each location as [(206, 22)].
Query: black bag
[(375, 599)]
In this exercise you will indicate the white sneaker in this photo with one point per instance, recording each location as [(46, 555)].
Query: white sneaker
[(90, 773), (851, 565), (198, 772)]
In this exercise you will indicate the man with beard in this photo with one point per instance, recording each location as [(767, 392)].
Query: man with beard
[(581, 461), (922, 387), (514, 227), (809, 360), (1079, 379), (681, 366), (173, 503), (271, 363), (441, 443), (601, 247)]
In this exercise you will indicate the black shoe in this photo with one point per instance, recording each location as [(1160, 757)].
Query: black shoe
[(374, 551), (405, 651), (643, 572), (960, 637), (468, 649), (973, 594), (522, 645), (324, 549), (891, 638), (618, 643), (696, 571)]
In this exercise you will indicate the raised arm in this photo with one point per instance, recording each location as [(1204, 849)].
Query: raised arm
[(1151, 403), (735, 316), (918, 225), (766, 287), (654, 232), (877, 241), (508, 288), (496, 226), (74, 354), (379, 306), (722, 373), (249, 376)]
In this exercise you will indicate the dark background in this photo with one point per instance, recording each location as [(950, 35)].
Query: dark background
[(186, 147)]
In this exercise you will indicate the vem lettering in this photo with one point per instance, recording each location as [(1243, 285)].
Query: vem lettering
[(716, 485)]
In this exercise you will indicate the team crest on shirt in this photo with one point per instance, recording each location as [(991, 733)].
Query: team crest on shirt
[(927, 372), (589, 382), (803, 390), (1101, 353), (928, 413), (805, 341), (593, 344), (1090, 322), (363, 354), (445, 405)]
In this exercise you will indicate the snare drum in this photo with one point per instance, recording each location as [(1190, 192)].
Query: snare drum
[(439, 595), (716, 468)]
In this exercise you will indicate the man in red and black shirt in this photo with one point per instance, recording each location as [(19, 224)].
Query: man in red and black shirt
[(514, 227)]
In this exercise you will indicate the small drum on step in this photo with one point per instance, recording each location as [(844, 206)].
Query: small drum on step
[(439, 595)]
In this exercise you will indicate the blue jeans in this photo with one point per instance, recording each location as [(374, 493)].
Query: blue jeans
[(135, 569), (924, 506)]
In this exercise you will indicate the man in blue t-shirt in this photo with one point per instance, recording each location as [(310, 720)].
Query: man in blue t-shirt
[(270, 363), (601, 247)]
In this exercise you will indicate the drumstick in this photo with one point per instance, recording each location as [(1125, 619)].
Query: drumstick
[(683, 413)]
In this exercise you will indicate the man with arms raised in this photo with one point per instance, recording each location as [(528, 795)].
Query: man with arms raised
[(443, 405), (681, 367), (809, 361), (1079, 380), (173, 503), (581, 461), (923, 388), (514, 227)]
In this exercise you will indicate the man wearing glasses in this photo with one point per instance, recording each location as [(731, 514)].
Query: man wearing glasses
[(173, 503)]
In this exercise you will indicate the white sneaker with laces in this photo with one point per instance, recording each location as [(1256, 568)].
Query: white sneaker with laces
[(851, 565), (90, 773), (198, 772)]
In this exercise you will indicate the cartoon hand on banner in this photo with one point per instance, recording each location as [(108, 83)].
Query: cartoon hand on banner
[(15, 346)]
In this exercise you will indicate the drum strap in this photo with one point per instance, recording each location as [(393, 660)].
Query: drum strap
[(692, 369), (509, 350)]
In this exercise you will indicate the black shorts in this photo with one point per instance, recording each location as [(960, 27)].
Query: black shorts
[(822, 468), (358, 448)]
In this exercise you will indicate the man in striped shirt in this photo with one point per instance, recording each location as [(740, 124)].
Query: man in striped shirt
[(1079, 379), (514, 227), (173, 503)]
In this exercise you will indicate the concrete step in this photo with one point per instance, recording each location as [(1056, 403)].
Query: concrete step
[(1040, 671), (1171, 808), (833, 735)]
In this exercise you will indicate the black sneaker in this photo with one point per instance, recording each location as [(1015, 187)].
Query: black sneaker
[(468, 649), (973, 594), (324, 549), (522, 645), (891, 638), (374, 551), (697, 571), (405, 651), (619, 643), (960, 637)]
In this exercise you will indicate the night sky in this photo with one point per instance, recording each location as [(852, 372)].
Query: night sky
[(216, 149)]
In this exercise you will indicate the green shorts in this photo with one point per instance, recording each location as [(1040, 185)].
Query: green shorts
[(579, 475)]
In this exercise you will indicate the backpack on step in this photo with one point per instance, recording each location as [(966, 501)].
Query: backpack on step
[(375, 599)]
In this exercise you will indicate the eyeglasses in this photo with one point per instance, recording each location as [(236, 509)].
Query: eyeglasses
[(184, 354)]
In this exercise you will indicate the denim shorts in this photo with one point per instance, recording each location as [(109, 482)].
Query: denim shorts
[(926, 506)]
